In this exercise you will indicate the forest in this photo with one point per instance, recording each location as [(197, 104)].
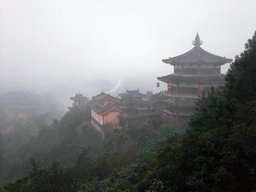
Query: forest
[(214, 151)]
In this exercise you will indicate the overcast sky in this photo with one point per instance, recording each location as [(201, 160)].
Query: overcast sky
[(71, 46)]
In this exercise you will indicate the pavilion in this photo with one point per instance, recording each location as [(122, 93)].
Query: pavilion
[(195, 71)]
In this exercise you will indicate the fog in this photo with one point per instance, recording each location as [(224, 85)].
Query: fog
[(61, 48)]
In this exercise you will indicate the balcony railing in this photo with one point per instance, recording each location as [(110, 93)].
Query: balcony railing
[(180, 95)]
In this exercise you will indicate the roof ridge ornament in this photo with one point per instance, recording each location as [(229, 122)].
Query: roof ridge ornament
[(197, 42)]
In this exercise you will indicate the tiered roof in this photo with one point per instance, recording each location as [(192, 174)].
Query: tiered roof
[(177, 79), (197, 55)]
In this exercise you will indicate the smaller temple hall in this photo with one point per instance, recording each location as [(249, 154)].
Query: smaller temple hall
[(104, 111)]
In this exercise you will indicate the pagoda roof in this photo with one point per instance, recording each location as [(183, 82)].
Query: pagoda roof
[(197, 55), (177, 79), (133, 93)]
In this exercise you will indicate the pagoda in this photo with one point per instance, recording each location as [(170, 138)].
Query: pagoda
[(79, 101), (195, 71)]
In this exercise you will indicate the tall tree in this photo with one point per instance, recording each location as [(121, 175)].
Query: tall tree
[(1, 150), (241, 77)]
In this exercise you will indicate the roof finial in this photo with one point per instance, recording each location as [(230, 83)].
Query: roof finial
[(197, 41)]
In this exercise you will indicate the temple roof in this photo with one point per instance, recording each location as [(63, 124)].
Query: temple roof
[(132, 93), (192, 79), (197, 55), (96, 103), (79, 98), (102, 96), (96, 107)]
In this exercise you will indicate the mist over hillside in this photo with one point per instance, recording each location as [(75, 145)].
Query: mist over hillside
[(59, 48), (59, 93)]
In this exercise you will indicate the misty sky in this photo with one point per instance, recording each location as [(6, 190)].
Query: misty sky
[(63, 47)]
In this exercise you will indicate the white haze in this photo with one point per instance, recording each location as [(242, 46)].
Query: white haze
[(116, 87), (64, 47)]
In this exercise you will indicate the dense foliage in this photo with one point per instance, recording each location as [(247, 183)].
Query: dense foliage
[(116, 162)]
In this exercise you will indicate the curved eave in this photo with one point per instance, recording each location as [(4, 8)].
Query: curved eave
[(176, 79), (173, 62), (167, 61), (197, 56)]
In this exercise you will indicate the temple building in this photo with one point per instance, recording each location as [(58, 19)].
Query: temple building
[(104, 111), (135, 94), (79, 101), (195, 71)]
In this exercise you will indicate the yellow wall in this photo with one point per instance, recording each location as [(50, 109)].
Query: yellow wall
[(111, 117), (97, 117), (108, 118)]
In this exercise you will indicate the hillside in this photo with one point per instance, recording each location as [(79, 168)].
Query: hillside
[(215, 151)]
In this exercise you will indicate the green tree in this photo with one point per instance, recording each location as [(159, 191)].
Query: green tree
[(241, 79), (54, 178), (1, 151)]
